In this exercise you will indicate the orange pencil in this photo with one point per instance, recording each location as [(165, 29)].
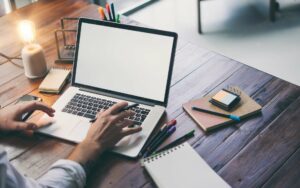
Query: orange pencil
[(101, 12)]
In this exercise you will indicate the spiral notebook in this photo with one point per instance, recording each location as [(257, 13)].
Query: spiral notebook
[(55, 80), (181, 166)]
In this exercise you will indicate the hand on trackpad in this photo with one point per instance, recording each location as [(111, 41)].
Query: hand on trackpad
[(131, 140), (45, 121)]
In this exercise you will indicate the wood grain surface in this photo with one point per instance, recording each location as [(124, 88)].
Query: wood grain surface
[(260, 152)]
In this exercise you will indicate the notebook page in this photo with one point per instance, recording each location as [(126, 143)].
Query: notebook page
[(183, 167)]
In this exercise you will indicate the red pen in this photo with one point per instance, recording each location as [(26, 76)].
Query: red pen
[(108, 12), (169, 123)]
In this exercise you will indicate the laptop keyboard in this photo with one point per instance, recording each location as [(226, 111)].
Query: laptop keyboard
[(87, 106)]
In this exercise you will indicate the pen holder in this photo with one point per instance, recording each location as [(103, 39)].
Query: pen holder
[(108, 14), (65, 39)]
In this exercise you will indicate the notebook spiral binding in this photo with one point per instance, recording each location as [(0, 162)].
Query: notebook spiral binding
[(154, 157)]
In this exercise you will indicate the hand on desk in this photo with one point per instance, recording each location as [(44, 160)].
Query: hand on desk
[(10, 117), (109, 128)]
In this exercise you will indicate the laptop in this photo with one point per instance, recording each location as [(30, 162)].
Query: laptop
[(115, 62)]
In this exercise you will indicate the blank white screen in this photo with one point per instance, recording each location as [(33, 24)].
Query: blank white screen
[(125, 61)]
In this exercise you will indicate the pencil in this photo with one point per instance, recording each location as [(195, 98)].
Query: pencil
[(118, 18), (177, 141), (108, 12), (159, 141), (101, 12), (112, 8), (162, 130)]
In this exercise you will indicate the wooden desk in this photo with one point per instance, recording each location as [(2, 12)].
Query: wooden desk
[(263, 151)]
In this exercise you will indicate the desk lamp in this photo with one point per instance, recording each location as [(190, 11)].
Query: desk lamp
[(32, 53)]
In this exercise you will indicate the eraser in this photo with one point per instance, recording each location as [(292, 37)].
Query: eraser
[(225, 99)]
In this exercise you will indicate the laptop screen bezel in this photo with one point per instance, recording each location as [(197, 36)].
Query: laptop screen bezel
[(133, 28)]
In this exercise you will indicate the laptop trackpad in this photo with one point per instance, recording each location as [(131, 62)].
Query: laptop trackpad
[(64, 126), (80, 129)]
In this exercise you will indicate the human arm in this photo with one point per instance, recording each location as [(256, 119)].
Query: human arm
[(109, 128), (63, 173), (104, 133)]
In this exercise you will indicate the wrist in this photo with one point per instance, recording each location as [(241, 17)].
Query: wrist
[(86, 152)]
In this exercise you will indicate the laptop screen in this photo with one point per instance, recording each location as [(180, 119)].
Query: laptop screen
[(124, 60)]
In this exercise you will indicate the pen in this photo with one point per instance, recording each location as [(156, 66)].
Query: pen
[(177, 141), (121, 110), (128, 107), (112, 7), (108, 11), (158, 142), (163, 129), (231, 116)]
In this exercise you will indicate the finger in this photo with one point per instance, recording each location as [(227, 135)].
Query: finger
[(35, 105), (122, 116), (117, 107), (24, 126), (31, 126), (125, 123), (99, 113), (129, 131)]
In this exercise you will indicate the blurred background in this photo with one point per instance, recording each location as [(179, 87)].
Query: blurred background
[(239, 29)]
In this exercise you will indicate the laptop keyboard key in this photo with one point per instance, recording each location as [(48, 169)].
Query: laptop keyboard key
[(137, 123), (80, 113), (89, 116)]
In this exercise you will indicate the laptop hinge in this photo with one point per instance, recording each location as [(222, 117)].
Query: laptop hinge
[(117, 96)]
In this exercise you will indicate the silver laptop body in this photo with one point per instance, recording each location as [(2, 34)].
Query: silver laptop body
[(115, 62)]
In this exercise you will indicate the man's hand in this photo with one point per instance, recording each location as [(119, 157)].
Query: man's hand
[(109, 128), (10, 117)]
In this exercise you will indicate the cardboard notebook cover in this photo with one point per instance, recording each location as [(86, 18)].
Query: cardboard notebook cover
[(55, 80), (245, 108)]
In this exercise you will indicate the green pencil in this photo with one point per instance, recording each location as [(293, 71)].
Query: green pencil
[(118, 18)]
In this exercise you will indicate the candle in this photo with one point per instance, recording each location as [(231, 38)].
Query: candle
[(33, 56), (34, 61)]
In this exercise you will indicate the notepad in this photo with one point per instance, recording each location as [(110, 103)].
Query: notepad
[(246, 108), (54, 81), (181, 166)]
